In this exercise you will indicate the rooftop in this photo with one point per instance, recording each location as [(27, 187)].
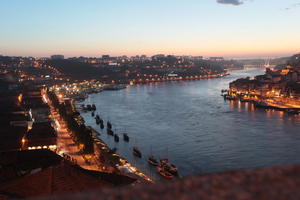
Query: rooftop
[(61, 178), (274, 183), (10, 137), (41, 130), (42, 172)]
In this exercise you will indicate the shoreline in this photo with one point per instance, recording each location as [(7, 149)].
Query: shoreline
[(87, 116), (113, 161), (176, 78), (102, 159), (265, 104), (81, 96)]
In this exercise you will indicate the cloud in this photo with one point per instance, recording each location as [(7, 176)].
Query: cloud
[(293, 6), (231, 2)]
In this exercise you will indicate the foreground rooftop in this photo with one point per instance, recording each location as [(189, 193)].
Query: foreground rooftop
[(37, 173), (256, 184)]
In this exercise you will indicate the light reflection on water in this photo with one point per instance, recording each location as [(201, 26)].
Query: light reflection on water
[(191, 124)]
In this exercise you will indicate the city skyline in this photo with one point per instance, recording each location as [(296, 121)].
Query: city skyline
[(228, 28), (150, 99)]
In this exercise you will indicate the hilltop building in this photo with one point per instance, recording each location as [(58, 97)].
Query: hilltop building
[(57, 57)]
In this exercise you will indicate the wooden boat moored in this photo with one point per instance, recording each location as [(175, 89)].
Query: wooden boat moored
[(125, 137), (164, 173), (102, 126), (168, 166), (109, 126), (116, 138), (136, 152), (152, 160), (110, 132)]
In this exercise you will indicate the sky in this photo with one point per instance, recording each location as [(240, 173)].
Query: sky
[(229, 28)]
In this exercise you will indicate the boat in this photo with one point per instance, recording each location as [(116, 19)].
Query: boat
[(262, 104), (136, 152), (88, 107), (97, 90), (110, 132), (116, 138), (102, 126), (169, 166), (228, 97), (163, 161), (79, 97), (164, 173), (125, 137), (115, 87), (292, 111), (152, 160), (109, 126)]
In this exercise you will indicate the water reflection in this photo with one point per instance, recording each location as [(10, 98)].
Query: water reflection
[(191, 124)]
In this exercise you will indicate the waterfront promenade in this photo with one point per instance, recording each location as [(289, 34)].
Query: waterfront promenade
[(66, 147), (280, 103), (103, 159)]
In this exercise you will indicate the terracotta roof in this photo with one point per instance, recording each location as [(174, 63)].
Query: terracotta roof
[(62, 178), (41, 130), (274, 183), (15, 163), (10, 137), (43, 172), (8, 117)]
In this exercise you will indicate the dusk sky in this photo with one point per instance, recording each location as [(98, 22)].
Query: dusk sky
[(229, 28)]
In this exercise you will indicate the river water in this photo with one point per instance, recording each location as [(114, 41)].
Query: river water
[(191, 124)]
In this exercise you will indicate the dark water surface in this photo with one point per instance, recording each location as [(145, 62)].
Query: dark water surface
[(191, 124)]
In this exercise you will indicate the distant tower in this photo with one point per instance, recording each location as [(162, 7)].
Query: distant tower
[(267, 63)]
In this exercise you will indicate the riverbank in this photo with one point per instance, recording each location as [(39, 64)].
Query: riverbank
[(102, 159), (80, 90), (287, 105), (175, 78), (108, 160), (188, 122), (112, 161)]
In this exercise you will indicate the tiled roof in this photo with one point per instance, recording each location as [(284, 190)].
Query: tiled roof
[(273, 183), (62, 178), (43, 172), (41, 130), (10, 137), (13, 163)]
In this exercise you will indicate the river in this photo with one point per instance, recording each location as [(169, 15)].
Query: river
[(191, 124)]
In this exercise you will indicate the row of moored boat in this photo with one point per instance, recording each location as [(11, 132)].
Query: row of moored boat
[(163, 166)]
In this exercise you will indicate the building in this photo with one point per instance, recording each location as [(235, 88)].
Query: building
[(42, 172), (216, 58), (11, 137), (57, 57), (158, 56), (34, 103), (105, 56), (41, 136), (197, 57)]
